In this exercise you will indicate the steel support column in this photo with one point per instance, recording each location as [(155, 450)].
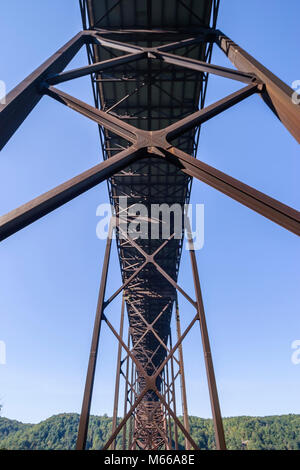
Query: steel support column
[(118, 374), (182, 376), (126, 395), (212, 386), (173, 378), (88, 391)]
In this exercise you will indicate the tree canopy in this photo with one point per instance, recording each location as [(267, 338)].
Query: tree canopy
[(59, 432)]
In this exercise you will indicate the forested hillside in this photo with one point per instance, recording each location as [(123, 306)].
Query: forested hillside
[(59, 432)]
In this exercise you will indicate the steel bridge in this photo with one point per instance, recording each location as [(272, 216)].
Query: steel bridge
[(149, 63)]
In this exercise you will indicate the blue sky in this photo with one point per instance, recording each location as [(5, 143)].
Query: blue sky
[(50, 271)]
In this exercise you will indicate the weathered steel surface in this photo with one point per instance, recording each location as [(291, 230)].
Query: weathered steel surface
[(152, 94), (149, 64), (276, 93), (24, 97)]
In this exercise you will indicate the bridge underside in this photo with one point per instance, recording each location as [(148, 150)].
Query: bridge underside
[(149, 94), (149, 62)]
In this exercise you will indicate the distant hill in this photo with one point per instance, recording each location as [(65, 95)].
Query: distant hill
[(59, 432)]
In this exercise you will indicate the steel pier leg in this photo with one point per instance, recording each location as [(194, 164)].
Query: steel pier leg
[(213, 392), (117, 387), (88, 391)]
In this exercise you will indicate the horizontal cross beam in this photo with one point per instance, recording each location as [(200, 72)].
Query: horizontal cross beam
[(95, 68)]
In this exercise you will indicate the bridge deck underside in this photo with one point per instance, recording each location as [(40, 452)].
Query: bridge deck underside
[(149, 94)]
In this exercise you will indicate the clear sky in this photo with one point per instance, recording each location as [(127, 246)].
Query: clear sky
[(249, 267)]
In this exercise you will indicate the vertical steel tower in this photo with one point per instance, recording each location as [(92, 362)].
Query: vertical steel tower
[(149, 62)]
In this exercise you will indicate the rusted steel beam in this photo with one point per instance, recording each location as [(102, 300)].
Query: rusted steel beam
[(166, 417), (25, 96), (174, 284), (131, 401), (88, 390), (200, 66), (269, 207), (150, 381), (126, 283), (156, 34), (149, 326), (126, 391), (118, 371), (182, 375), (212, 386), (147, 144), (138, 365), (181, 43), (168, 399), (124, 420), (99, 40), (111, 123), (178, 342), (180, 425), (51, 200), (173, 379), (203, 115), (259, 202), (276, 94), (131, 386), (94, 68), (150, 259)]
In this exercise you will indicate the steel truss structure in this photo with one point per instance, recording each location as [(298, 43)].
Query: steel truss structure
[(154, 73)]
